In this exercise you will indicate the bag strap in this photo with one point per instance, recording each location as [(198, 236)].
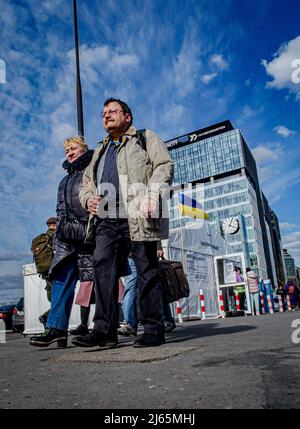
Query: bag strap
[(142, 140)]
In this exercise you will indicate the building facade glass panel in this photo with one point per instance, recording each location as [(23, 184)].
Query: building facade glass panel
[(221, 197)]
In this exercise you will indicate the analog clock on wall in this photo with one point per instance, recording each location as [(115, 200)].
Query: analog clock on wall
[(231, 225)]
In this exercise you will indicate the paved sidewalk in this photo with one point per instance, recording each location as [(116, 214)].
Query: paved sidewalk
[(244, 362)]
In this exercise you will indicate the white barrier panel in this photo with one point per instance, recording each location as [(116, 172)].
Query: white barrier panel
[(2, 332), (36, 302), (196, 247)]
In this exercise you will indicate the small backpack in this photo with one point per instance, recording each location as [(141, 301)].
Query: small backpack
[(41, 248)]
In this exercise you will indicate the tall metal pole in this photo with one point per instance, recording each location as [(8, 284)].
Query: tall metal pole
[(78, 85)]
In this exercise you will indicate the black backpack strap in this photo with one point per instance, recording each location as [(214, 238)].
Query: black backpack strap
[(141, 138)]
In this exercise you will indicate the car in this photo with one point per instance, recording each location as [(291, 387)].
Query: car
[(18, 316), (6, 313)]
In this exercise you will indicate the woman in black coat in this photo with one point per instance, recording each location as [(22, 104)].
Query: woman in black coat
[(73, 259)]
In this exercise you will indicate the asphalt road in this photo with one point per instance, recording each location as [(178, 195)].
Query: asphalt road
[(244, 362)]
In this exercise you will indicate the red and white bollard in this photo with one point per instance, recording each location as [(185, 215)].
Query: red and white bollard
[(237, 302), (202, 305), (221, 303), (270, 306), (262, 303), (280, 304), (180, 320), (289, 305)]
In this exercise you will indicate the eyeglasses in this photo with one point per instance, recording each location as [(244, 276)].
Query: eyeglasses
[(110, 112)]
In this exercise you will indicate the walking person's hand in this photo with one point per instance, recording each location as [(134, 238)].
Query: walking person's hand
[(148, 208), (160, 253), (93, 204)]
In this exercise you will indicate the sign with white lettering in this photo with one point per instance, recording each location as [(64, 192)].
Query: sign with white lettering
[(202, 134)]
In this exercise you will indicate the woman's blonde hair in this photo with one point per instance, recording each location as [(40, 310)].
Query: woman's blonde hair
[(76, 140)]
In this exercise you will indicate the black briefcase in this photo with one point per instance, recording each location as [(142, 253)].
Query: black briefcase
[(173, 280)]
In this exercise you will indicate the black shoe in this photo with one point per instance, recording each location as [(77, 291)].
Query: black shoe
[(50, 336), (43, 320), (95, 338), (169, 325), (80, 330), (149, 340)]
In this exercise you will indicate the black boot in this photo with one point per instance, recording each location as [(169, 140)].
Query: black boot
[(80, 330), (95, 338), (43, 319), (51, 335), (148, 340)]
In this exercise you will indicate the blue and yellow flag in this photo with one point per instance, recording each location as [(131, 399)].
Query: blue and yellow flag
[(190, 207)]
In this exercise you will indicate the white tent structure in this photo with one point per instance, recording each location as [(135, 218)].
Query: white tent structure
[(36, 302), (196, 245)]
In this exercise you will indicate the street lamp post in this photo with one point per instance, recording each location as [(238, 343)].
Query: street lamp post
[(78, 83)]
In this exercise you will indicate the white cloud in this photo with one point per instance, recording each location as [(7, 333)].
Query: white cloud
[(266, 154), (291, 238), (276, 185), (93, 59), (275, 179), (207, 78), (249, 112), (291, 242), (173, 112), (219, 61), (281, 68), (284, 131), (187, 64), (286, 225)]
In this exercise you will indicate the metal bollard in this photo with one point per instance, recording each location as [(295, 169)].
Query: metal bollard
[(202, 304), (180, 320)]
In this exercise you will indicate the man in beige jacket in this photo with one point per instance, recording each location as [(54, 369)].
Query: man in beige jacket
[(125, 189)]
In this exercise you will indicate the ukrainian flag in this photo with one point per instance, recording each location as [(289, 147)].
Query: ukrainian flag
[(190, 207)]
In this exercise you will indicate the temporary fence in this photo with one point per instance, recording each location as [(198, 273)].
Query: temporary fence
[(195, 246)]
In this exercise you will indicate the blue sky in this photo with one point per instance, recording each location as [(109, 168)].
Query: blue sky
[(180, 64)]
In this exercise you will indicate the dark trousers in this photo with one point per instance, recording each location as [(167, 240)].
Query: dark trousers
[(112, 247), (84, 315)]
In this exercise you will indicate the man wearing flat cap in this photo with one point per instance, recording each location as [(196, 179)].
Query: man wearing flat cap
[(51, 223)]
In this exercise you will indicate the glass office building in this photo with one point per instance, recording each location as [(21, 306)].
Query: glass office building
[(290, 266), (215, 166)]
